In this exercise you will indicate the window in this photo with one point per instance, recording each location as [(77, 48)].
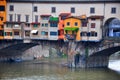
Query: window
[(44, 33), (53, 24), (35, 8), (42, 24), (8, 33), (11, 8), (68, 23), (113, 10), (27, 25), (1, 33), (45, 18), (83, 33), (76, 24), (27, 18), (60, 32), (1, 18), (2, 8), (9, 25), (16, 33), (35, 25), (53, 10), (19, 17), (92, 10), (92, 25), (27, 33), (93, 33), (10, 17), (93, 19), (46, 24), (53, 33), (36, 18), (84, 23), (72, 10)]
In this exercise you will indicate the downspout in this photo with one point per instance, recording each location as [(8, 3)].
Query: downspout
[(103, 24)]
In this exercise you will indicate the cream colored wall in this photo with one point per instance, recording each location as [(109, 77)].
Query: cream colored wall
[(45, 8), (108, 10)]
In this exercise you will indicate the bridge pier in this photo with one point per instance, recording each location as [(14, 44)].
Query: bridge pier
[(97, 62)]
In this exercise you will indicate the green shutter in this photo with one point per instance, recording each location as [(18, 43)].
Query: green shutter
[(4, 33), (10, 33)]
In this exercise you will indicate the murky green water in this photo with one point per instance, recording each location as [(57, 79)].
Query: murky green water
[(30, 71)]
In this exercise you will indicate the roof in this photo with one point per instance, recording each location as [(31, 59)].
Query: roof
[(35, 23), (96, 17), (8, 22), (77, 17), (45, 15), (65, 14), (63, 1)]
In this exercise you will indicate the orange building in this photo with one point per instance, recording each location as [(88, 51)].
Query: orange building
[(72, 28), (2, 17), (62, 16)]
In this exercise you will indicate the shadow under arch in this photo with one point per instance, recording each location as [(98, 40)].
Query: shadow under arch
[(107, 52), (16, 50)]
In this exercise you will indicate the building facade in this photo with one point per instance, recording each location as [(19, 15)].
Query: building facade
[(100, 20)]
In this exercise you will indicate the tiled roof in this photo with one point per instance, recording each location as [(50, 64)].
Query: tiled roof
[(64, 14), (63, 1), (45, 15), (96, 17)]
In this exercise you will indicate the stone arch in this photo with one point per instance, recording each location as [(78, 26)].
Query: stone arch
[(107, 52), (112, 27)]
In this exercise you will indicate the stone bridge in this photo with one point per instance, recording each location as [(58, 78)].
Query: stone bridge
[(80, 54)]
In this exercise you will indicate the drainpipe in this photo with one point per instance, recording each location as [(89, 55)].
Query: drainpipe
[(103, 24), (32, 12)]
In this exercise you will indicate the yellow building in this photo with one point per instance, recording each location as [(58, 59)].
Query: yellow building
[(72, 28), (2, 17)]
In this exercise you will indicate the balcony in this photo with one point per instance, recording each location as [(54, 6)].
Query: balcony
[(70, 36)]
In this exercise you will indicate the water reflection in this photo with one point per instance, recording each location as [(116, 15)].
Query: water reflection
[(30, 71), (114, 65)]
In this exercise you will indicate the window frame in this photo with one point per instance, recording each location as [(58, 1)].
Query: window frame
[(92, 10), (11, 8), (27, 18), (93, 25), (35, 9), (113, 10), (72, 10), (53, 10)]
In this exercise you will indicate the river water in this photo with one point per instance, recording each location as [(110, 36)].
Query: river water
[(36, 71)]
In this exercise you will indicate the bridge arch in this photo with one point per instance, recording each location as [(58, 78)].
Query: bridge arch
[(112, 27), (101, 58)]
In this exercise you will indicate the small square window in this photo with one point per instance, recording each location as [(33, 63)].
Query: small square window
[(68, 23), (72, 10), (35, 8), (42, 24), (92, 10), (113, 10), (76, 24), (35, 25), (53, 10), (11, 8), (46, 24), (92, 25)]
